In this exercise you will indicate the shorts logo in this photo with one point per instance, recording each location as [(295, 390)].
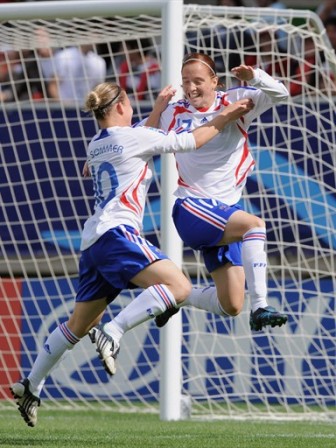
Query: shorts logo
[(224, 207)]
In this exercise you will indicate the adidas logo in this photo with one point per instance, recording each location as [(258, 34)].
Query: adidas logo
[(204, 120)]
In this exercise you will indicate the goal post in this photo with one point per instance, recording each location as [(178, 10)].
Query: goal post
[(215, 366), (171, 334)]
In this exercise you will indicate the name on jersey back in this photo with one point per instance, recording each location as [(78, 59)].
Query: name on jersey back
[(106, 148)]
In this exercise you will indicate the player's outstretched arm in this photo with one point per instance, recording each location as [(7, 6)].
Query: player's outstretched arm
[(258, 78)]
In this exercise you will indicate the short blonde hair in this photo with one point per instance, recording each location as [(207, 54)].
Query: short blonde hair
[(100, 100)]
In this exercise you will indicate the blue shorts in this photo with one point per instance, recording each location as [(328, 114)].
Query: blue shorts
[(217, 256), (201, 224), (107, 267)]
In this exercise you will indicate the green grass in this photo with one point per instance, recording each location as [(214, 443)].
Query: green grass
[(88, 429)]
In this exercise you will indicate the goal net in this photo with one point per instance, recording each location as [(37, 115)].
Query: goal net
[(227, 371)]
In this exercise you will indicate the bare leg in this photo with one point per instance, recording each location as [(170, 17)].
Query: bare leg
[(230, 285)]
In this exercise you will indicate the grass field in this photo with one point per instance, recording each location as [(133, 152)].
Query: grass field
[(88, 429)]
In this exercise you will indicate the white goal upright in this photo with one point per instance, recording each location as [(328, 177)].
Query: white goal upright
[(214, 366)]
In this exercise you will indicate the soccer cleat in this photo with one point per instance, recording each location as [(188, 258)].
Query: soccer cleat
[(163, 318), (26, 401), (107, 348), (266, 316)]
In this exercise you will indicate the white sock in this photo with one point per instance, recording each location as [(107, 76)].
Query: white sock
[(255, 265), (151, 302), (204, 299), (57, 344)]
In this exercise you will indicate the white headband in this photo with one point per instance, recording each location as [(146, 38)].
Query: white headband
[(199, 60)]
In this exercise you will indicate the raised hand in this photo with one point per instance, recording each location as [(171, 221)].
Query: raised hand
[(243, 72), (163, 98)]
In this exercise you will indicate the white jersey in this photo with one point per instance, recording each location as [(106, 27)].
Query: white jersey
[(120, 160), (219, 169)]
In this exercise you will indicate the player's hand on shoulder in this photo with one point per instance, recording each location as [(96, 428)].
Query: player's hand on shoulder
[(243, 72), (239, 108)]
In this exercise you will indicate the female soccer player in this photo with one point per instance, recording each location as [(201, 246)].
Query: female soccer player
[(114, 255), (206, 214)]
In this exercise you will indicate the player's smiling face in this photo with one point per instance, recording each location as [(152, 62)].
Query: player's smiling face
[(198, 84)]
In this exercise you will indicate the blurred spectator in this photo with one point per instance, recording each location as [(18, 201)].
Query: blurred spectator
[(305, 73), (139, 72), (7, 67), (226, 44), (274, 4), (270, 4), (19, 77), (268, 56), (45, 52), (330, 26), (326, 10), (72, 72), (236, 3), (28, 82), (232, 39)]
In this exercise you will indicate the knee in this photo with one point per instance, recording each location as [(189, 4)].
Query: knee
[(232, 301), (232, 310), (252, 223), (255, 221), (181, 290)]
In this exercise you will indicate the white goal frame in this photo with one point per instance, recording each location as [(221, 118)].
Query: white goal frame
[(173, 405)]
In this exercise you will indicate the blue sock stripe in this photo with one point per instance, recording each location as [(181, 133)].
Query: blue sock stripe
[(254, 235), (69, 336)]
